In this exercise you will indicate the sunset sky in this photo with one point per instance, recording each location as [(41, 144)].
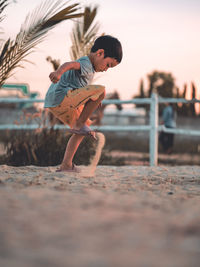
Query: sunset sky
[(158, 35)]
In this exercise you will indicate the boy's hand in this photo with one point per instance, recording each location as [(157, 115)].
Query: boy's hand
[(54, 76)]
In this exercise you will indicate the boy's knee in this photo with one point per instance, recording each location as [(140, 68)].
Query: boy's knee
[(100, 88), (99, 92), (103, 91), (102, 95)]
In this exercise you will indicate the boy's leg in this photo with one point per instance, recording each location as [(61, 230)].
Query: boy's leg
[(87, 111), (76, 139), (70, 151), (73, 110), (95, 94)]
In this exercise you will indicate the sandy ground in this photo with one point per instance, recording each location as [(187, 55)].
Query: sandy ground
[(142, 158), (123, 216)]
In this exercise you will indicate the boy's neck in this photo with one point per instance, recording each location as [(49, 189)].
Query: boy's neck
[(91, 57)]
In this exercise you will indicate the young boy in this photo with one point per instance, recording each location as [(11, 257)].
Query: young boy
[(70, 97)]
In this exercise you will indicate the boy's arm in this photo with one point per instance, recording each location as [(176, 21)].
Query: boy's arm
[(55, 75)]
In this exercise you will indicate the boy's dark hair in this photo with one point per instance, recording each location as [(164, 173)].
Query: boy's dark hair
[(111, 46)]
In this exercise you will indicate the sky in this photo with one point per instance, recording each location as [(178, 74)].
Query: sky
[(160, 35)]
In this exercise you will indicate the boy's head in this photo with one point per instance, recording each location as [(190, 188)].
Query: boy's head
[(107, 51), (111, 46)]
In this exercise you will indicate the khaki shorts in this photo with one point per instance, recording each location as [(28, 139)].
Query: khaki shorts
[(73, 103)]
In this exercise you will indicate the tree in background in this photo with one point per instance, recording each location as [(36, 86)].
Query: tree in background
[(192, 105), (33, 31), (142, 94), (163, 83), (183, 108), (186, 109), (159, 82)]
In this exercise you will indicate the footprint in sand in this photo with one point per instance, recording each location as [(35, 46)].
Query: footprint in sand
[(89, 171)]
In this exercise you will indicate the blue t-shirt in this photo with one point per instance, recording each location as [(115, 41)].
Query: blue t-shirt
[(168, 117), (70, 80)]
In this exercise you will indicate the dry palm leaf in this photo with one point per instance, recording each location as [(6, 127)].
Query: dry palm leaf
[(84, 33), (32, 32), (3, 5)]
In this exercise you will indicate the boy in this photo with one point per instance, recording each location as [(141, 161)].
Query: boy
[(70, 97)]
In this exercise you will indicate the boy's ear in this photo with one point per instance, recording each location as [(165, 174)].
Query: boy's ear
[(100, 52)]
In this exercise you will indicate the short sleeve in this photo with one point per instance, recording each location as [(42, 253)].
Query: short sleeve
[(85, 66)]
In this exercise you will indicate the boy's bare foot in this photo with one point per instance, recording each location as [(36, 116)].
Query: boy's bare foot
[(78, 126), (84, 130), (67, 168)]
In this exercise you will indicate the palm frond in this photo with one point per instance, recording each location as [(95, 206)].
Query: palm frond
[(3, 5), (84, 33), (35, 28)]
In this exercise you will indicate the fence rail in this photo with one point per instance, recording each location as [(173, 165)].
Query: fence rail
[(153, 127)]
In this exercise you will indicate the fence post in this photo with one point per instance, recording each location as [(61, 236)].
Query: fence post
[(153, 138)]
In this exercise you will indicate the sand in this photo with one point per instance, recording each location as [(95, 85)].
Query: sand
[(89, 171), (123, 216)]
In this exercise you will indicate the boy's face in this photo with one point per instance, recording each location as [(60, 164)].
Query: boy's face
[(102, 64)]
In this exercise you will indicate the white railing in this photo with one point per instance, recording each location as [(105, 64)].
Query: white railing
[(153, 127)]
